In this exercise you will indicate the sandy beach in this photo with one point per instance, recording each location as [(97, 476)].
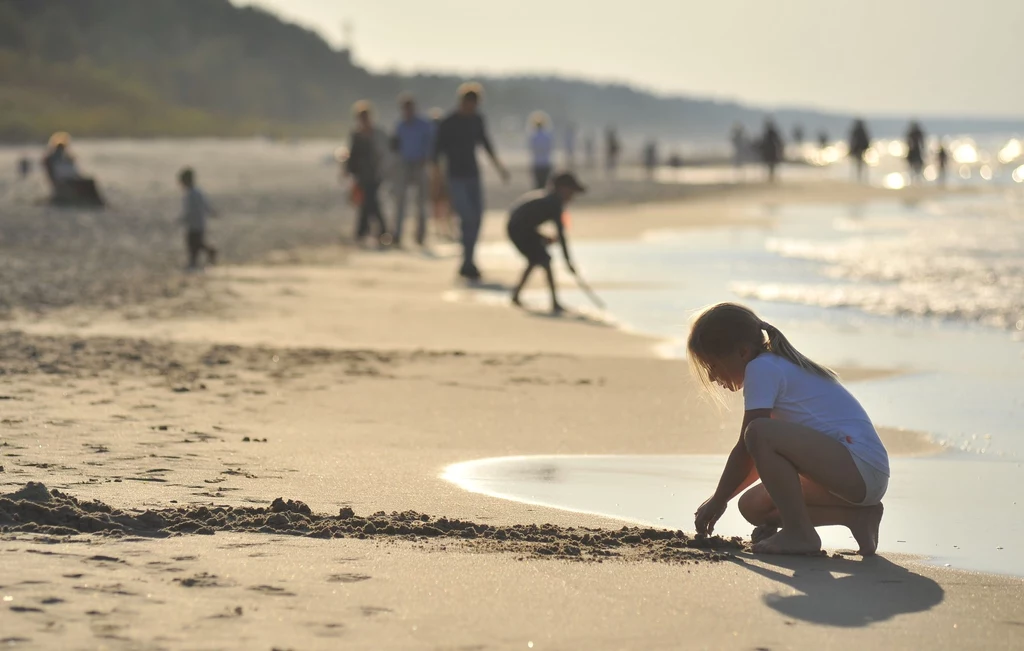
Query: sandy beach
[(153, 419)]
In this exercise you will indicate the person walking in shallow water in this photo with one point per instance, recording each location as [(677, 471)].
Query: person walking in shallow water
[(941, 162), (738, 138), (806, 438), (915, 151), (458, 136), (612, 147), (772, 148), (860, 142)]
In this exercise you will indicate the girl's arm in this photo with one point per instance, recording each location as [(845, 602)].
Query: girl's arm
[(739, 473)]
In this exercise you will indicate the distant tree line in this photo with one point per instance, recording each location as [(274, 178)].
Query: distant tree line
[(190, 67)]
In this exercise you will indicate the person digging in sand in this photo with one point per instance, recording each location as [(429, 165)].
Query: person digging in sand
[(806, 437), (530, 212)]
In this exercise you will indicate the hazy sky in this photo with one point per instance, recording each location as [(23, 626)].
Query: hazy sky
[(951, 57)]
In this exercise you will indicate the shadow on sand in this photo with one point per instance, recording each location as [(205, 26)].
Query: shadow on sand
[(844, 592)]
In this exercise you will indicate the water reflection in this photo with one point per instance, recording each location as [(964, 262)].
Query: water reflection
[(925, 497)]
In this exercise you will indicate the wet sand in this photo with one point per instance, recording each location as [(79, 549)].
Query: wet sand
[(344, 382)]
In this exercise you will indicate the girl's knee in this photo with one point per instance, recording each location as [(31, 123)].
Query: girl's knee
[(755, 505), (756, 433)]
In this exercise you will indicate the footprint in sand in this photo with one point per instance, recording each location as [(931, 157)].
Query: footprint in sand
[(26, 609), (201, 580), (347, 578), (272, 591)]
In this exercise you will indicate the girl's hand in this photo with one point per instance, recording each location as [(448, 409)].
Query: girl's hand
[(707, 515)]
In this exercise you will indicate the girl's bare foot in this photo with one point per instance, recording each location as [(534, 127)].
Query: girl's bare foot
[(786, 542), (864, 528), (516, 301), (763, 532)]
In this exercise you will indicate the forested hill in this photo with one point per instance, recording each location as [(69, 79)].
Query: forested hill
[(207, 67)]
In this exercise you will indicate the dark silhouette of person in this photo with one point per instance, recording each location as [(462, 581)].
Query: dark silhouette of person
[(24, 167), (589, 157), (532, 211), (458, 136), (823, 139), (367, 147), (740, 146), (942, 161), (70, 188), (772, 148), (651, 157), (798, 134), (860, 142), (612, 147), (915, 150), (194, 215), (569, 145)]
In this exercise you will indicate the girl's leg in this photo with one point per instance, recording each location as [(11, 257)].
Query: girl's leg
[(556, 307), (782, 452), (824, 509), (522, 283)]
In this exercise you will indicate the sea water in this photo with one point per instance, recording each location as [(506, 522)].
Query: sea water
[(932, 291)]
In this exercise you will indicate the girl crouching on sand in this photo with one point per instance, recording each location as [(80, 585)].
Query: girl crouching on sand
[(810, 442)]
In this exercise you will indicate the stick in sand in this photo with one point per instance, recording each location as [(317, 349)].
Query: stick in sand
[(594, 298)]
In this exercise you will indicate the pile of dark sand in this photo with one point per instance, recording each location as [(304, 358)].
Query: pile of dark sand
[(36, 509)]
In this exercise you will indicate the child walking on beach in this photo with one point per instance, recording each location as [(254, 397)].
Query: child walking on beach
[(533, 210), (195, 211), (809, 441)]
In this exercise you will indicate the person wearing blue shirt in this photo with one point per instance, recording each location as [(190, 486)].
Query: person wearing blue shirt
[(414, 142), (542, 145)]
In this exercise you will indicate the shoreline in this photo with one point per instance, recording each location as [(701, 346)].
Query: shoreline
[(353, 386)]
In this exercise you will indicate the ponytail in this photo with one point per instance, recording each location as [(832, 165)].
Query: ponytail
[(718, 330), (777, 344)]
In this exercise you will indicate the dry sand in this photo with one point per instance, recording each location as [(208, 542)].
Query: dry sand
[(347, 383)]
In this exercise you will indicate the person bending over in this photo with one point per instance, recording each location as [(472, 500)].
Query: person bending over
[(530, 212)]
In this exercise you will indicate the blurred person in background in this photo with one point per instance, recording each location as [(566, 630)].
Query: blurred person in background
[(542, 149), (365, 164), (458, 136), (413, 140)]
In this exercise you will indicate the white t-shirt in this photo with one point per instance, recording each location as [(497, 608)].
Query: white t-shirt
[(799, 396)]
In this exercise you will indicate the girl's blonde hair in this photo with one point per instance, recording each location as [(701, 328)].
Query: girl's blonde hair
[(720, 329)]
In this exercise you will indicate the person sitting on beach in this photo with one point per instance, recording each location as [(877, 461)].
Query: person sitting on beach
[(534, 209), (69, 186), (806, 437), (195, 210)]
